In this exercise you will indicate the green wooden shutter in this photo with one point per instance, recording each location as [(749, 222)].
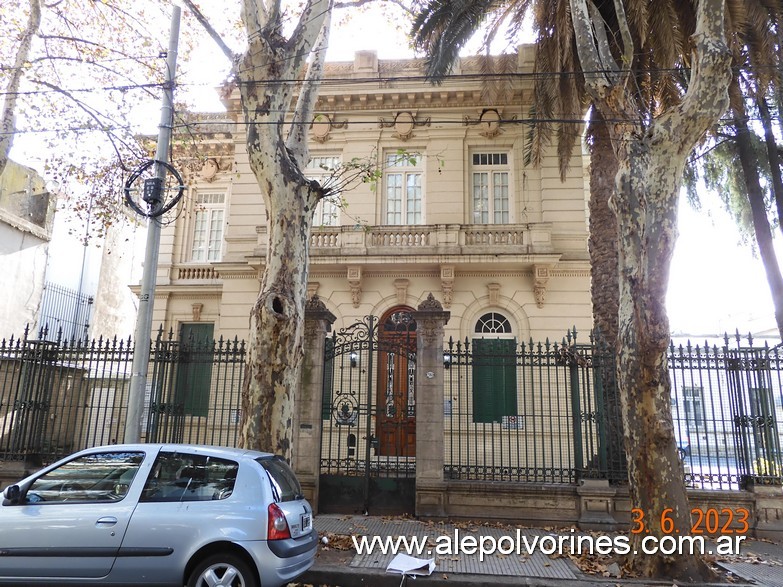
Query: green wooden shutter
[(194, 372), (494, 379)]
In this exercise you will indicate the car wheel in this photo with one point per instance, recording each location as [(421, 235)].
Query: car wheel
[(222, 570)]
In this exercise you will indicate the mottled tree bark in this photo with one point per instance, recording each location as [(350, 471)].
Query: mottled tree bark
[(651, 156), (277, 151), (11, 91)]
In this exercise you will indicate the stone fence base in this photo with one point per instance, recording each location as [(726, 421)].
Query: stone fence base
[(593, 505)]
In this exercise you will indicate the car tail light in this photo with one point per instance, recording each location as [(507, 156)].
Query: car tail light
[(277, 525)]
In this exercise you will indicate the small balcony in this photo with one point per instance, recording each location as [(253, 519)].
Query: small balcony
[(438, 239)]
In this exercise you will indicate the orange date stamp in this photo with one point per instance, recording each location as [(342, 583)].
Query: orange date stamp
[(710, 521)]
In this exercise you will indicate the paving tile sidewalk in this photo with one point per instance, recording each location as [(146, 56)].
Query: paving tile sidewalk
[(762, 563)]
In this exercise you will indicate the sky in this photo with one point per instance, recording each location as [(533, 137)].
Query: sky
[(716, 284)]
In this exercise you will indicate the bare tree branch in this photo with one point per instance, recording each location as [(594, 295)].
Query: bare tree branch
[(210, 30), (359, 3), (98, 117), (297, 139)]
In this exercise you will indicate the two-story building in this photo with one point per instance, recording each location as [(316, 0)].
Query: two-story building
[(456, 212)]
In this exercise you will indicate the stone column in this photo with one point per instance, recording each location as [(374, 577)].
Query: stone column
[(430, 486), (306, 457)]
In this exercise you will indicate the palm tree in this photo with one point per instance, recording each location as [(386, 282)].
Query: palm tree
[(621, 55), (736, 158)]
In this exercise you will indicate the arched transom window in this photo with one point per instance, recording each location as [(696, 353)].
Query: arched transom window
[(493, 323)]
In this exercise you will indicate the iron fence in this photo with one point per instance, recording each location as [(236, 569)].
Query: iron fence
[(65, 313), (539, 413), (549, 412), (62, 395)]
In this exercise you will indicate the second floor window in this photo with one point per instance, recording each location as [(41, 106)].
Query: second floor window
[(208, 222), (321, 168), (404, 188), (490, 175)]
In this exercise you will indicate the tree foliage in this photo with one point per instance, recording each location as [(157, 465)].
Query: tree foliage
[(73, 77)]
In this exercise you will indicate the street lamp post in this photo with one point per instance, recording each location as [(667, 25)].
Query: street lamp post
[(153, 197)]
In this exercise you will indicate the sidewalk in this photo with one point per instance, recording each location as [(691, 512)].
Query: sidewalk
[(338, 564)]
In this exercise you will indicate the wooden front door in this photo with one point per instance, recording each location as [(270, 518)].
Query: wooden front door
[(396, 397)]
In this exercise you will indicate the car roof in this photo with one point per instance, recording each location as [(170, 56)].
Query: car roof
[(174, 447)]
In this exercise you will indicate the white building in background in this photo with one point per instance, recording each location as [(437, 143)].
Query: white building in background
[(26, 227), (55, 277)]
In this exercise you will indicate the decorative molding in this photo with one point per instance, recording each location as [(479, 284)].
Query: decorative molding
[(404, 124), (541, 275), (197, 308), (494, 293), (401, 286), (209, 170), (322, 126), (447, 284), (355, 282), (179, 295), (489, 121)]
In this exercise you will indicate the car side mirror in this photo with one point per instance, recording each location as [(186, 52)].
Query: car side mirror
[(12, 493)]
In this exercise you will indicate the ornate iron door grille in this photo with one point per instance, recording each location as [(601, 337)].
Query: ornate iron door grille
[(369, 410)]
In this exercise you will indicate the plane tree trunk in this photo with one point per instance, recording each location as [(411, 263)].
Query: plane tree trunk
[(651, 155), (11, 90), (277, 152)]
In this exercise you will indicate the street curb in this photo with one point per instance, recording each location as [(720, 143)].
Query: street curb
[(345, 576)]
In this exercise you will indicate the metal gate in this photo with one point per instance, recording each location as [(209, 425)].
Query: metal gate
[(368, 441)]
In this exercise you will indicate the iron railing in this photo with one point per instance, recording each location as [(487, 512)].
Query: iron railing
[(65, 313), (549, 413), (538, 413), (64, 395)]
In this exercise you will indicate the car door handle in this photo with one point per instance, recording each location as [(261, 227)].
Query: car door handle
[(106, 521)]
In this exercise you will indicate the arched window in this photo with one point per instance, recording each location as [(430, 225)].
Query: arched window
[(494, 370), (493, 323)]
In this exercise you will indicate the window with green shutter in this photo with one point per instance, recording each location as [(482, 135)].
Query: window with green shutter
[(194, 371), (494, 379)]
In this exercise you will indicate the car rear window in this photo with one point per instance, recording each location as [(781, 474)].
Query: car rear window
[(284, 483), (183, 476)]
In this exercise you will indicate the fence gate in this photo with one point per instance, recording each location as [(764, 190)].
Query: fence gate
[(368, 442)]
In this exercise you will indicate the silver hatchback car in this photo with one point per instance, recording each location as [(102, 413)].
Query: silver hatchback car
[(158, 514)]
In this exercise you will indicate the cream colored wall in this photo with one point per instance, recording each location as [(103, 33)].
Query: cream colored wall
[(554, 210)]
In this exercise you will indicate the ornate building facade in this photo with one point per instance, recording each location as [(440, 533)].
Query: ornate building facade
[(456, 212)]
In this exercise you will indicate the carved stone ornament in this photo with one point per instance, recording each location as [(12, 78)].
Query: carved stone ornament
[(401, 287), (489, 122), (447, 284), (355, 282), (322, 126), (430, 304), (209, 170), (540, 280), (404, 124), (196, 309), (431, 329), (315, 304)]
